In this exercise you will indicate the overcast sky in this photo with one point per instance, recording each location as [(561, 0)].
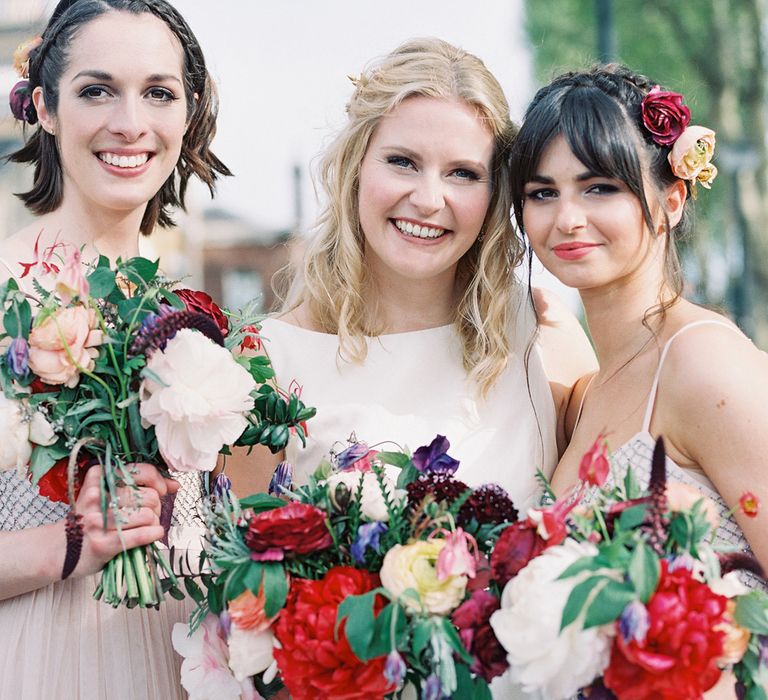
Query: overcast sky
[(282, 69)]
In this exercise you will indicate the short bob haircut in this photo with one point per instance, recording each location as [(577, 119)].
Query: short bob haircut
[(335, 282), (598, 113), (48, 62)]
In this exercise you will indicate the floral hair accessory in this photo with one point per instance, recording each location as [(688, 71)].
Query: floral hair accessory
[(665, 115), (691, 155), (21, 55)]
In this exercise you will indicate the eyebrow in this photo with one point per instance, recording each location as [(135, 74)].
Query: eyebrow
[(107, 77), (581, 177)]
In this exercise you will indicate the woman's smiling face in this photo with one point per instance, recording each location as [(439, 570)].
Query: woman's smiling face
[(424, 188), (121, 113)]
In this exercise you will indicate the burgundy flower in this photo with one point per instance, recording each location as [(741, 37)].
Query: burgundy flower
[(20, 101), (488, 504), (665, 115), (517, 545), (202, 303), (441, 485), (296, 527), (472, 618)]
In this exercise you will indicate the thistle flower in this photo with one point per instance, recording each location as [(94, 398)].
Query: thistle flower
[(157, 331), (657, 510)]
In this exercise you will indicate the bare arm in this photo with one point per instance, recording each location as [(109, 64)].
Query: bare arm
[(713, 407), (566, 353), (33, 558)]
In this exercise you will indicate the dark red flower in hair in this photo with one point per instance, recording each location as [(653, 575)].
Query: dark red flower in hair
[(665, 115)]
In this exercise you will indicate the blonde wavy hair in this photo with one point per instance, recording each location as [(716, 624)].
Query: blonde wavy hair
[(334, 278)]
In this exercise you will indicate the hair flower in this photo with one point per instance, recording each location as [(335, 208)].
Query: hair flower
[(20, 102), (691, 155), (21, 55), (665, 115)]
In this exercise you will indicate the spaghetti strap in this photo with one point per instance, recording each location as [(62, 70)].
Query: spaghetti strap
[(655, 386), (581, 403)]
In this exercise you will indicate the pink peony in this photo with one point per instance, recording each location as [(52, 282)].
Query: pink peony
[(64, 344), (202, 403)]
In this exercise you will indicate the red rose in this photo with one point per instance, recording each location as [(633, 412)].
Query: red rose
[(517, 545), (315, 660), (296, 527), (665, 115), (678, 657), (202, 303), (472, 619)]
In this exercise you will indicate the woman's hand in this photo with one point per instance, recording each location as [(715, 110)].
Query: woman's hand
[(138, 513)]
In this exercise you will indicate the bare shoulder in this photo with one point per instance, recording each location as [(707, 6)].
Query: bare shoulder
[(566, 351)]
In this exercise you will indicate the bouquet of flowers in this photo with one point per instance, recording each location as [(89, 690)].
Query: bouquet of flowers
[(621, 592), (355, 585), (115, 368)]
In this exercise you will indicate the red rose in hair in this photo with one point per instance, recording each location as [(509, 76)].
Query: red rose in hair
[(296, 527), (315, 660), (472, 619), (202, 303), (665, 115), (678, 657)]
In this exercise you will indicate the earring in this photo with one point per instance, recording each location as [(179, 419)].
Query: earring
[(481, 236)]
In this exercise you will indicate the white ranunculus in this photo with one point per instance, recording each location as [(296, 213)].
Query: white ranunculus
[(203, 404), (528, 627), (205, 672), (15, 449), (40, 430), (372, 504), (249, 652)]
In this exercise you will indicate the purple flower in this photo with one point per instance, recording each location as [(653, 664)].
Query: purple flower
[(634, 622), (20, 101), (17, 358), (394, 668), (367, 536), (435, 457), (432, 689), (681, 561), (282, 479), (355, 452), (221, 485)]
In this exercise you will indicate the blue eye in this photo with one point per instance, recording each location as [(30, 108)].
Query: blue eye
[(400, 161), (541, 195), (464, 174)]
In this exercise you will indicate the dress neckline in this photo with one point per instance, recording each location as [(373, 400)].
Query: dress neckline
[(403, 334)]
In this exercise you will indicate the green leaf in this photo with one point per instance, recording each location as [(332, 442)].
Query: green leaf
[(260, 502), (632, 517), (608, 604), (145, 269), (644, 571), (752, 612), (577, 599), (25, 315), (583, 564), (398, 459), (382, 641), (469, 687), (358, 611), (454, 640), (101, 282), (422, 633), (194, 591), (171, 298), (11, 323), (43, 458), (126, 309), (275, 588)]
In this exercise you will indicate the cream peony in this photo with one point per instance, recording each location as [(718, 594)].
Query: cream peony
[(64, 343), (372, 504), (528, 627), (250, 652), (205, 672), (203, 404), (15, 449), (414, 566)]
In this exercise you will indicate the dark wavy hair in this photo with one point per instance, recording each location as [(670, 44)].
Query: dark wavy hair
[(598, 113), (48, 62)]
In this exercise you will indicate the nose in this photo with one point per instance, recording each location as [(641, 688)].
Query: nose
[(570, 216), (428, 195), (127, 119)]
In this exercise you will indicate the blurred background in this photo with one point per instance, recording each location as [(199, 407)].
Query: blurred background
[(282, 73)]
